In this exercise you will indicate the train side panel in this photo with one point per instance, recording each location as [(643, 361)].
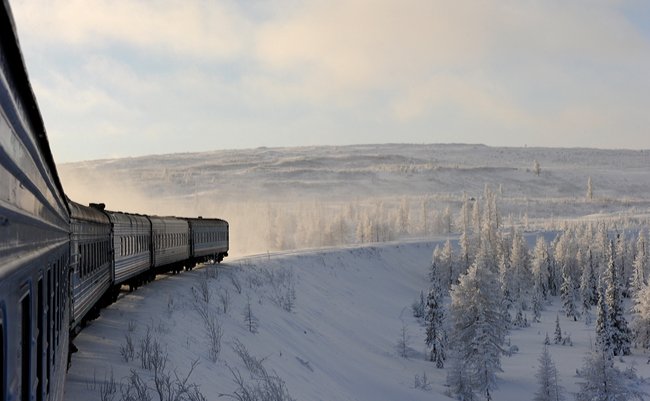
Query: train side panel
[(131, 244), (34, 239), (208, 239), (170, 239), (90, 260)]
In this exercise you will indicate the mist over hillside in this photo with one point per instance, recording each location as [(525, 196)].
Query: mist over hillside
[(264, 189)]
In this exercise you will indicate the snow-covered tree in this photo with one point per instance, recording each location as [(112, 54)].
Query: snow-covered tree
[(623, 264), (547, 377), (522, 277), (620, 331), (478, 325), (536, 168), (437, 271), (465, 257), (590, 189), (557, 339), (540, 267), (434, 317), (459, 381), (603, 325), (603, 381), (569, 295), (638, 280), (447, 265), (589, 283), (404, 210), (641, 318)]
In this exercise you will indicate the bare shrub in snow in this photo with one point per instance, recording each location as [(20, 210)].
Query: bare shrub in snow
[(253, 365), (127, 350), (144, 349), (422, 382), (135, 389), (263, 386), (170, 304), (150, 352), (203, 288), (282, 283), (249, 318), (214, 333), (234, 279), (224, 299), (107, 389), (132, 326), (403, 342)]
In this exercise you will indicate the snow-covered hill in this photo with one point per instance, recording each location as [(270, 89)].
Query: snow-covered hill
[(345, 172), (270, 195), (328, 324)]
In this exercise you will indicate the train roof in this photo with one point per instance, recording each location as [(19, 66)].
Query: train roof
[(13, 65)]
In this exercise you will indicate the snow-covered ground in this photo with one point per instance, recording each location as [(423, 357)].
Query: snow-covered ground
[(329, 320), (328, 324)]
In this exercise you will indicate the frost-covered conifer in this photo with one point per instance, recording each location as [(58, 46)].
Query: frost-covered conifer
[(589, 283), (537, 306), (478, 324), (447, 270), (540, 267), (603, 325), (458, 380), (623, 265), (638, 280), (641, 319), (436, 338), (436, 272), (603, 381), (547, 377), (520, 265), (568, 294), (558, 331), (620, 336), (465, 257)]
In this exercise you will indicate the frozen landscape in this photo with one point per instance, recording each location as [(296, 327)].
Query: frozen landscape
[(332, 246)]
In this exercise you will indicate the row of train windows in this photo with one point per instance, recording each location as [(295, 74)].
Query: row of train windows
[(132, 244), (51, 301), (171, 240), (211, 236), (92, 255)]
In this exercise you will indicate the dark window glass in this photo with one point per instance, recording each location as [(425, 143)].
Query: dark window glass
[(39, 341), (25, 347)]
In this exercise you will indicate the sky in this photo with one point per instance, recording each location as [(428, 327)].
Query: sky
[(117, 78)]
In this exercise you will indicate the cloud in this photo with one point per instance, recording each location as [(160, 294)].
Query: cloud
[(182, 28), (550, 70)]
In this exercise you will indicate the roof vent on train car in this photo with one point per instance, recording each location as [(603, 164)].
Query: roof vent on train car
[(200, 217), (98, 206)]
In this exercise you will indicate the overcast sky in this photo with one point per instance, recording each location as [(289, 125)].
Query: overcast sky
[(125, 78)]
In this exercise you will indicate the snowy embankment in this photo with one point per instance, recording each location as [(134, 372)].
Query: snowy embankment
[(328, 323)]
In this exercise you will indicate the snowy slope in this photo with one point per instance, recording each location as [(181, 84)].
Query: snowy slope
[(264, 189), (339, 341), (372, 170)]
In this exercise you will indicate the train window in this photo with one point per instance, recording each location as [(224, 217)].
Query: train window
[(25, 346), (55, 334), (3, 363), (39, 340), (48, 322)]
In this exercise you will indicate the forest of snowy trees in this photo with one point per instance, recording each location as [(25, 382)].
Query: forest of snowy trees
[(492, 282)]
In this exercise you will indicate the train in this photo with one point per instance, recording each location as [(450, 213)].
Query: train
[(61, 261)]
